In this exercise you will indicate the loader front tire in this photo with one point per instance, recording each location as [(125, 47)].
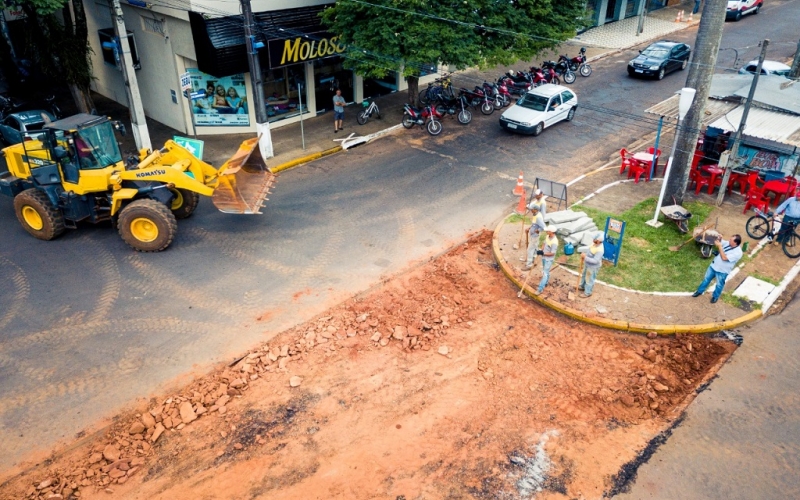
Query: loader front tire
[(37, 215), (184, 203), (147, 225)]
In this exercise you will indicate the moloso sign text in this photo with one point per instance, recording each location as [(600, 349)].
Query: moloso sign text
[(288, 51)]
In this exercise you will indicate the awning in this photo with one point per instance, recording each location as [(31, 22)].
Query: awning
[(669, 109), (763, 124)]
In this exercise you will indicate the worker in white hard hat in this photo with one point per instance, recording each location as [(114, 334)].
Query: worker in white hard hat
[(534, 232), (592, 260), (538, 200), (548, 253)]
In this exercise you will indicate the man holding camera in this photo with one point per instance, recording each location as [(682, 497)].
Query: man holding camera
[(729, 254)]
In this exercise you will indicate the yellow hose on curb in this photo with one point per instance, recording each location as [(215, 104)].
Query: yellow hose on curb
[(610, 323), (304, 159)]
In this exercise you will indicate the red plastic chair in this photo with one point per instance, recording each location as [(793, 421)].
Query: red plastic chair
[(738, 178), (699, 180), (756, 198), (752, 181), (626, 161), (638, 169)]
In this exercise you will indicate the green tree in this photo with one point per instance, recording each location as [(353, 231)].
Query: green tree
[(383, 36), (58, 43)]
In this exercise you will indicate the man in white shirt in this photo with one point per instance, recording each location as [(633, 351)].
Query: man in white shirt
[(729, 254)]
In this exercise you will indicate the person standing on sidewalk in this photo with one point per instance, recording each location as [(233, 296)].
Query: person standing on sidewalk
[(696, 7), (338, 111), (592, 260), (539, 201), (729, 254), (548, 254), (536, 229)]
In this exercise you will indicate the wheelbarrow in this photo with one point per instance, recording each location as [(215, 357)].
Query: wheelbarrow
[(678, 215), (707, 239)]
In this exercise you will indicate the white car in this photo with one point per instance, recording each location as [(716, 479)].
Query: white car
[(738, 8), (768, 68), (539, 108)]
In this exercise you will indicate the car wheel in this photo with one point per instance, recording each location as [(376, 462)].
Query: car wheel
[(661, 74), (571, 114), (758, 7), (684, 64), (538, 129), (738, 16)]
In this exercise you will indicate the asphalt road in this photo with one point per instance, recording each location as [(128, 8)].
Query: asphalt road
[(87, 325)]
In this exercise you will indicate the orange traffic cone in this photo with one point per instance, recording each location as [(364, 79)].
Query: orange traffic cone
[(690, 17), (521, 206), (520, 187), (682, 16), (678, 17)]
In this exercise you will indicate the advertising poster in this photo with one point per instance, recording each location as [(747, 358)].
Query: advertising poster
[(218, 101)]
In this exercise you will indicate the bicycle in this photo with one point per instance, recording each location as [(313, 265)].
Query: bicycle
[(439, 86), (367, 113), (763, 224)]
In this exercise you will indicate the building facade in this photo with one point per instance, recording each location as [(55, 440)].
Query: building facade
[(301, 62)]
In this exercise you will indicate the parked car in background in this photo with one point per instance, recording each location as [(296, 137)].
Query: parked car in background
[(767, 68), (738, 8), (15, 125), (539, 108), (660, 58)]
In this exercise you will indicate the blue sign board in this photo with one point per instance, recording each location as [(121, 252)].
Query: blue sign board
[(612, 244), (194, 146)]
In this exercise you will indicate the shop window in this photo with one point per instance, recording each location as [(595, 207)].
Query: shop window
[(330, 75), (286, 93), (111, 49)]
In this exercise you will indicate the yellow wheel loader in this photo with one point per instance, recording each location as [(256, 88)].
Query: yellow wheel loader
[(74, 172)]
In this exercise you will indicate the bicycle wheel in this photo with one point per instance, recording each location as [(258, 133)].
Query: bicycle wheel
[(791, 245), (362, 118), (757, 227), (424, 97)]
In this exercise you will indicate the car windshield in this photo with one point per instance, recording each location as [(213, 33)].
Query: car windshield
[(533, 101), (655, 52), (98, 145)]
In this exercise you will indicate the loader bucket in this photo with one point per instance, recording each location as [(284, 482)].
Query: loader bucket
[(244, 181)]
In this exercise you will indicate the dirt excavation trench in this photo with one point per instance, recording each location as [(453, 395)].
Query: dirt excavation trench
[(440, 383)]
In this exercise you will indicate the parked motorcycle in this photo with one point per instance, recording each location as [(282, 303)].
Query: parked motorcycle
[(502, 96), (515, 87), (454, 107), (426, 117), (550, 75), (579, 64), (478, 99), (562, 69)]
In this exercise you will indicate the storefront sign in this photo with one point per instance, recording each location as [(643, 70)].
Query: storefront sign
[(14, 13), (284, 52), (218, 101)]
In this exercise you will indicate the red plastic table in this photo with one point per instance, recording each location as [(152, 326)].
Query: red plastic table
[(647, 159), (778, 186), (715, 172)]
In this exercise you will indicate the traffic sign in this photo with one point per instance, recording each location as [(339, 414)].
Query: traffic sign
[(186, 81), (194, 146)]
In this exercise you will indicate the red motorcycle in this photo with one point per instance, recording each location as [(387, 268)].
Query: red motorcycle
[(516, 86), (426, 117), (579, 64)]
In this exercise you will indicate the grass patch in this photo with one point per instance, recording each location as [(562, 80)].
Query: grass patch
[(645, 261), (739, 302), (759, 276)]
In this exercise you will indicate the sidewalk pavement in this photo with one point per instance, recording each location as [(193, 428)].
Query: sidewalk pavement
[(636, 311), (293, 142)]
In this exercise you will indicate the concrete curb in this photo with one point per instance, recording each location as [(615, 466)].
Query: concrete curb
[(625, 326)]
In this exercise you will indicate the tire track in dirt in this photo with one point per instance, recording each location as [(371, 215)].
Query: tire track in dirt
[(22, 290), (240, 248), (162, 279), (105, 268)]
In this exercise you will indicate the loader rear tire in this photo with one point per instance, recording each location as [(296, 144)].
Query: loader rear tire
[(37, 215), (147, 225), (184, 203)]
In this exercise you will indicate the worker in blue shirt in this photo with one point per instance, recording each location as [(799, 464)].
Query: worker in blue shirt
[(729, 254), (790, 209)]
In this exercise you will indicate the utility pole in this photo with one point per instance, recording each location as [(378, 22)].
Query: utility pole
[(704, 56), (733, 158), (262, 121), (138, 122), (795, 73)]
